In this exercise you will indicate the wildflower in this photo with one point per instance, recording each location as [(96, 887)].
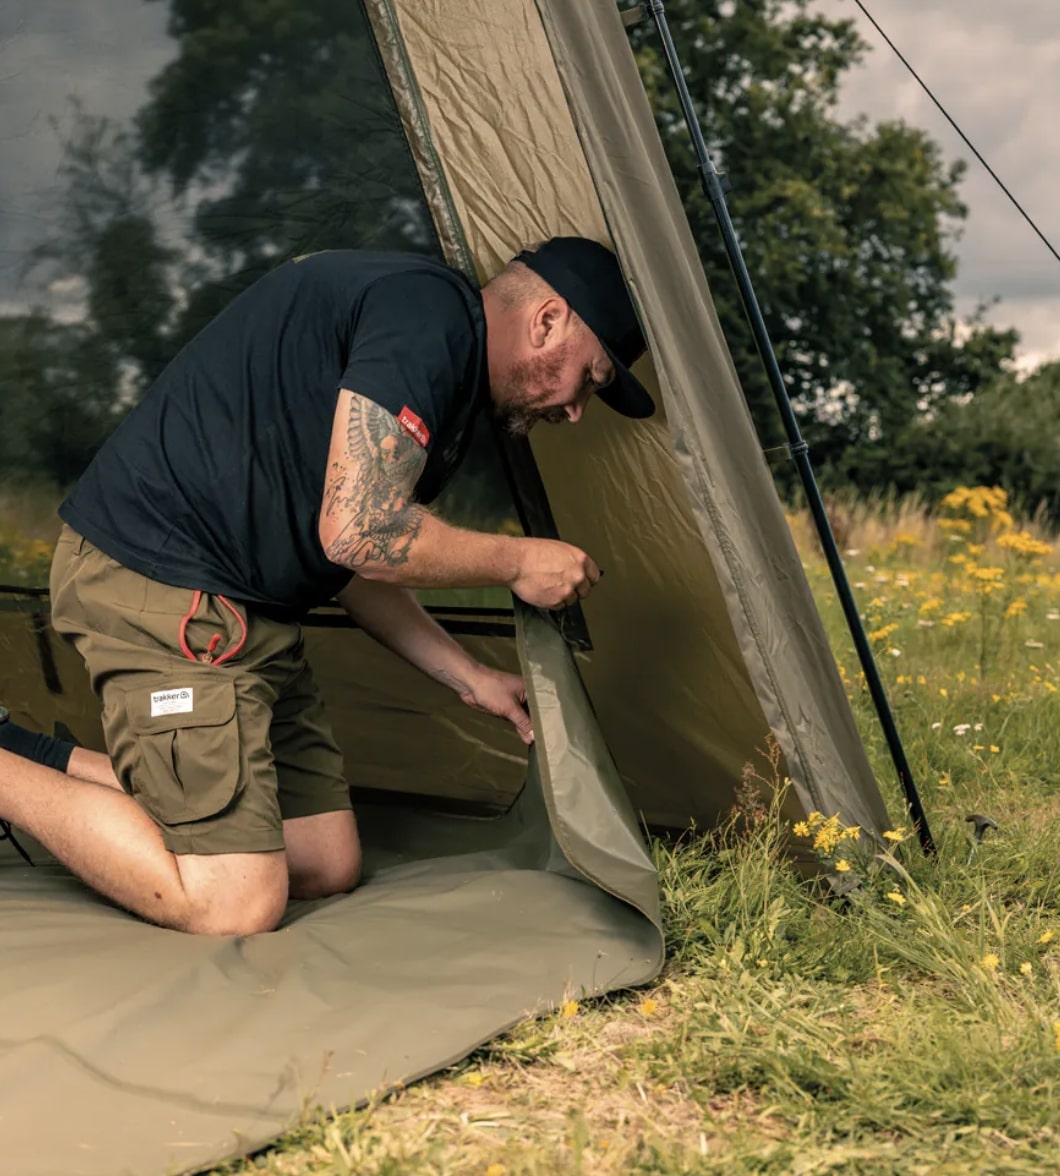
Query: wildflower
[(1056, 1031), (475, 1079), (842, 865), (945, 780), (994, 749), (648, 1006), (895, 834), (1034, 644), (884, 631), (965, 908), (896, 896), (762, 963), (895, 652), (995, 697), (922, 624), (1052, 615), (935, 726), (801, 829), (828, 835), (978, 727), (962, 728), (1023, 543), (1026, 967), (496, 1170), (978, 747), (943, 692), (921, 680), (990, 961), (570, 1009), (1046, 937), (1015, 608)]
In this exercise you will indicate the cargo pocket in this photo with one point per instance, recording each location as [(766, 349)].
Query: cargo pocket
[(187, 735)]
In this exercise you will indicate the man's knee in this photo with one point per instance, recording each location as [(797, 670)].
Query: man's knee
[(327, 878), (233, 894)]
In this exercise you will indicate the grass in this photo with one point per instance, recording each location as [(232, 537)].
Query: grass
[(790, 1032)]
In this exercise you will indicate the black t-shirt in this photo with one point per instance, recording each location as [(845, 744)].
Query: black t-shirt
[(215, 480)]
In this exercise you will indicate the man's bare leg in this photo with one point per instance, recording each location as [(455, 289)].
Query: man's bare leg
[(323, 854), (93, 766), (105, 838), (323, 851)]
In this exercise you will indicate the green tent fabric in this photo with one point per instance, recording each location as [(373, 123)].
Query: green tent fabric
[(497, 883)]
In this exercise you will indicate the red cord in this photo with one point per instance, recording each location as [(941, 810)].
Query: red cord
[(215, 640), (183, 631), (243, 628)]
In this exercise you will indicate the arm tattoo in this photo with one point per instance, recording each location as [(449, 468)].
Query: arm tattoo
[(372, 490)]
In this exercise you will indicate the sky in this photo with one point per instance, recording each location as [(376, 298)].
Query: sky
[(996, 68)]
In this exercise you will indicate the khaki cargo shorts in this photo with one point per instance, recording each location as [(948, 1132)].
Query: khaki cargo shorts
[(219, 752)]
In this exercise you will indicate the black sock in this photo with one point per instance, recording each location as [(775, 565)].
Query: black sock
[(42, 749)]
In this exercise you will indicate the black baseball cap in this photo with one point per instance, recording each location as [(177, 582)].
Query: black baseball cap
[(587, 275)]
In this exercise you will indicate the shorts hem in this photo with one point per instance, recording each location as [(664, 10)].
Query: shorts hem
[(212, 844)]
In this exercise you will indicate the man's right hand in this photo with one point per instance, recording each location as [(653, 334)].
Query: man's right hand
[(553, 574)]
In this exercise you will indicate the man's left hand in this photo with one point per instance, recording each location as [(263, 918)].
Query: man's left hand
[(500, 694)]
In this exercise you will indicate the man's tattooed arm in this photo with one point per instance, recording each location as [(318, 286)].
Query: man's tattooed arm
[(368, 516)]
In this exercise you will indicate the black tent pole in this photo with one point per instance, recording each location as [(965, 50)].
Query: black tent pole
[(715, 189)]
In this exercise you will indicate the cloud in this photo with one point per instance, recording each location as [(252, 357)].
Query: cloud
[(994, 67)]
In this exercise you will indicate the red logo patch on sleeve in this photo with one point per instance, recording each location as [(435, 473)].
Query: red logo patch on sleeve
[(414, 426)]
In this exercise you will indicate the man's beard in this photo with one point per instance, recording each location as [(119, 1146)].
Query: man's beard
[(521, 409)]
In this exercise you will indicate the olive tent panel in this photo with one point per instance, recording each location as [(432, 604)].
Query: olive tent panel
[(705, 634)]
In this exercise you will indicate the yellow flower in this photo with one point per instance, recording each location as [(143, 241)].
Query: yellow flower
[(1023, 543), (896, 896), (990, 961), (965, 908), (801, 829), (648, 1006), (842, 865), (895, 834), (1056, 1031), (883, 632), (1017, 606), (1045, 937), (570, 1009), (944, 692), (475, 1079), (496, 1170), (994, 749), (1026, 967)]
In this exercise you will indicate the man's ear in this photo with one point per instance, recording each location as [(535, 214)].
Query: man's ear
[(548, 320)]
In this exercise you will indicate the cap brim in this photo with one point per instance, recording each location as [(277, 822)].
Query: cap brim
[(626, 394)]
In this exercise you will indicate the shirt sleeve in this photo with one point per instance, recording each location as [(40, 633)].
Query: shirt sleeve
[(411, 346)]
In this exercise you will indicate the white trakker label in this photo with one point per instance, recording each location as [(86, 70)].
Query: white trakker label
[(172, 702)]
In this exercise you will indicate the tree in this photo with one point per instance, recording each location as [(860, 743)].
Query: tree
[(847, 230), (1005, 435)]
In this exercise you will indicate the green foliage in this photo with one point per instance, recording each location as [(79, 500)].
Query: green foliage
[(847, 230), (1005, 435)]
